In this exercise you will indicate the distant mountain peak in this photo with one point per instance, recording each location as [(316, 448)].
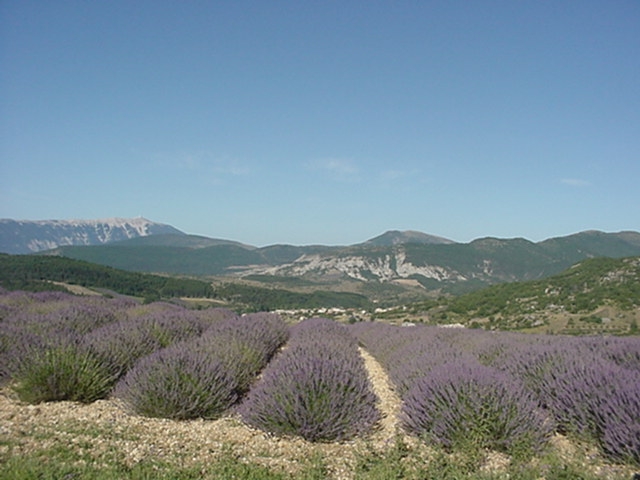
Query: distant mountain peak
[(29, 236), (400, 237)]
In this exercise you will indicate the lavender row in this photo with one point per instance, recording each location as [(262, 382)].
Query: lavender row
[(116, 333), (203, 377), (56, 346), (591, 386), (587, 387), (32, 324), (145, 330), (316, 388)]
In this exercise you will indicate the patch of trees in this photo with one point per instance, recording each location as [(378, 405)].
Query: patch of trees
[(251, 298)]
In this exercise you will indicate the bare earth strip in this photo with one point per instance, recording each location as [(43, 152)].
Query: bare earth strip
[(389, 402)]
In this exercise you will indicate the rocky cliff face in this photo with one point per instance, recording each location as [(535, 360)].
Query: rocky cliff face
[(383, 268)]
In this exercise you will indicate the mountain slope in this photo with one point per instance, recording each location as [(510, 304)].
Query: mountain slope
[(212, 260), (27, 236), (593, 243), (42, 273), (177, 240), (580, 296), (450, 266), (36, 273), (483, 261)]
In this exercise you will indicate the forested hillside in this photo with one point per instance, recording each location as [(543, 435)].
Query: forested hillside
[(29, 272), (582, 288), (37, 273), (599, 295)]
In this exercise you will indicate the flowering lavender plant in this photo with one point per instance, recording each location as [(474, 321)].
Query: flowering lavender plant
[(471, 406), (204, 376), (316, 388), (179, 383), (408, 353), (620, 417), (61, 370), (122, 343)]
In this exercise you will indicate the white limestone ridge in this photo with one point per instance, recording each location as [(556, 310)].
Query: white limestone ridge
[(383, 269), (27, 236)]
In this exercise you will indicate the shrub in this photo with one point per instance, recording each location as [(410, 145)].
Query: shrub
[(62, 370), (33, 323), (471, 406), (589, 385), (315, 388), (408, 353), (599, 400), (203, 377), (245, 344), (16, 344), (122, 343), (179, 382), (624, 351)]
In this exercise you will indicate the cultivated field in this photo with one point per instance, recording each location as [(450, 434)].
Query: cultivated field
[(106, 388)]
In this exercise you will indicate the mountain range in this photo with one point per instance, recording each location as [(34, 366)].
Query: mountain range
[(29, 236), (406, 259)]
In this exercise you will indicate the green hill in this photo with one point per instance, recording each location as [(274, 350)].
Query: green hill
[(596, 291), (35, 272), (448, 267), (210, 260)]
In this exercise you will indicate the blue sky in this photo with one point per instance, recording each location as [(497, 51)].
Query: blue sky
[(324, 122)]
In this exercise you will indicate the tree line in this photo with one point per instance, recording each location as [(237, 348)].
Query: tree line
[(37, 272)]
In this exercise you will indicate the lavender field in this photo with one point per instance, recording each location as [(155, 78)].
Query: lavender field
[(459, 390), (509, 391)]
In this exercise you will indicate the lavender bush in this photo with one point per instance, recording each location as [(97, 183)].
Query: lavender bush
[(449, 397), (316, 388), (623, 351), (61, 370), (589, 384), (203, 377), (16, 345), (123, 343), (179, 382), (245, 344), (597, 399), (214, 315), (468, 405), (408, 353), (33, 321), (63, 312), (620, 417)]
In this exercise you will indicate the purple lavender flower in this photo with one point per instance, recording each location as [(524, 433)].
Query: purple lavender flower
[(468, 405), (204, 376), (316, 388), (179, 383)]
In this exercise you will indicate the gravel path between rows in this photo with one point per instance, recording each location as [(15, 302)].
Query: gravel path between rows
[(106, 431)]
